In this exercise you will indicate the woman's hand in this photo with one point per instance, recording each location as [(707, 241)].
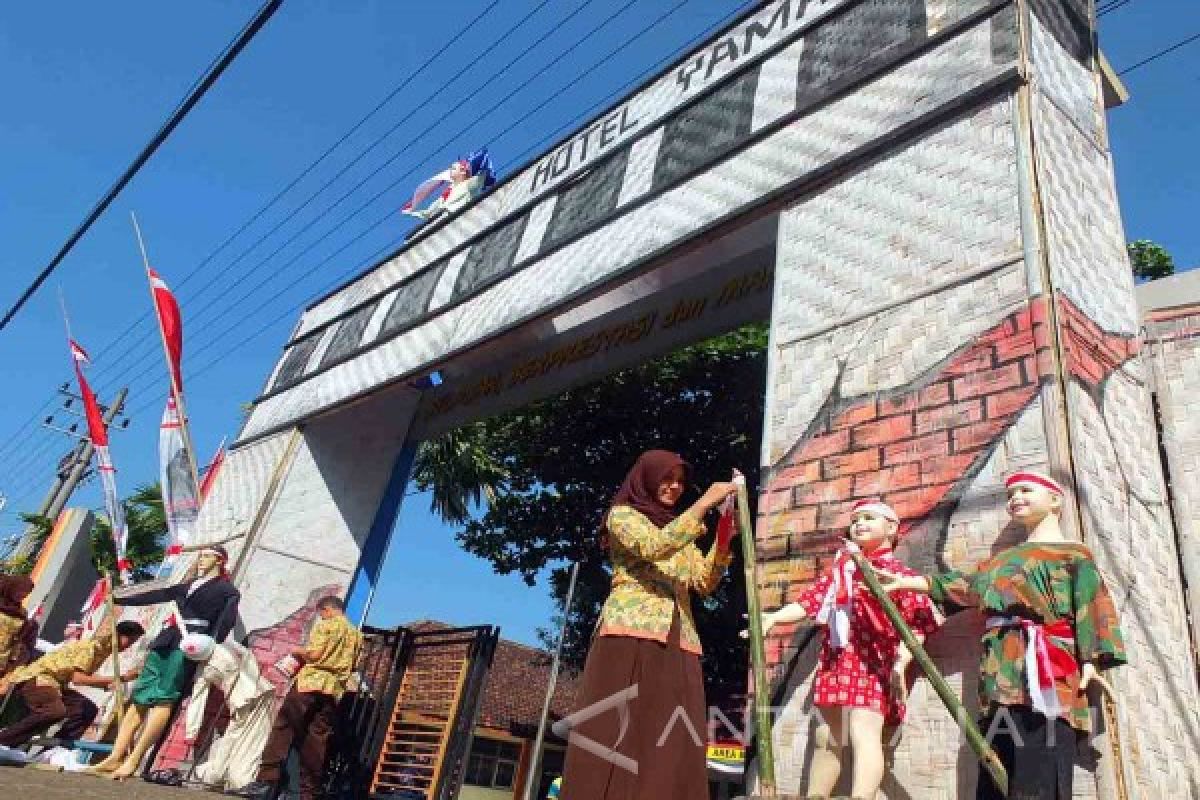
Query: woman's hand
[(713, 497), (891, 582), (1089, 675), (792, 612)]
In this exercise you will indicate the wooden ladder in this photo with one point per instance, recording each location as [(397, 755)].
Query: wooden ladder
[(413, 754)]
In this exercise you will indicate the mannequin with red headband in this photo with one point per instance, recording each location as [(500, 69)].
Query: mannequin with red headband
[(860, 683), (205, 608), (1050, 625)]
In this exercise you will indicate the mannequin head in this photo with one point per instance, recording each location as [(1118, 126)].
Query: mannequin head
[(1033, 499), (460, 171), (873, 526), (211, 562)]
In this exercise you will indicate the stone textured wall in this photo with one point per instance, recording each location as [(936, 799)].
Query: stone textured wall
[(930, 334)]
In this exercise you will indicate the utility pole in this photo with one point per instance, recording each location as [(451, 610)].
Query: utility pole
[(70, 472)]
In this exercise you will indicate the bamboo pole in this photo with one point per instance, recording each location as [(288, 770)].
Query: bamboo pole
[(176, 389), (118, 686), (983, 751), (758, 656)]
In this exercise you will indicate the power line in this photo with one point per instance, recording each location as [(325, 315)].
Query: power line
[(1113, 6), (145, 315), (181, 111), (198, 313), (1160, 54), (207, 366), (390, 214), (602, 102), (392, 93)]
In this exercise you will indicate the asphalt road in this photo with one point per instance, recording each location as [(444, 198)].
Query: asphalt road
[(29, 784)]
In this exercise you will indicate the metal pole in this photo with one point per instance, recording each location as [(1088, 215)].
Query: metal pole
[(758, 656), (532, 773), (85, 458), (983, 750)]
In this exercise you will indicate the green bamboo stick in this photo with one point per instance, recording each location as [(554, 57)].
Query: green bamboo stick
[(975, 739), (758, 656)]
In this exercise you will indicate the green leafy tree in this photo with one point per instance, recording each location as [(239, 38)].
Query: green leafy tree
[(1150, 260), (551, 469), (40, 527), (146, 522)]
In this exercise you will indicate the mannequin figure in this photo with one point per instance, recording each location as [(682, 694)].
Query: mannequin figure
[(1051, 626), (233, 758), (207, 605), (860, 683), (465, 180)]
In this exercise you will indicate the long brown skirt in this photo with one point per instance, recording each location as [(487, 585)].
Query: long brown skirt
[(659, 733)]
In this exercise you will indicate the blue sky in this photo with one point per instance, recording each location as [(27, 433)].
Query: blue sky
[(85, 84)]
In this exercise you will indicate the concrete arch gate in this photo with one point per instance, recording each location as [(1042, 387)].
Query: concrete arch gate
[(919, 195)]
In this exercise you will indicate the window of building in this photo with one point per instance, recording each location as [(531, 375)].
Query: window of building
[(493, 764)]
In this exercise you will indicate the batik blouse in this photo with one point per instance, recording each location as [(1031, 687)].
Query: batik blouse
[(655, 570), (1046, 584), (10, 641), (56, 668), (337, 642)]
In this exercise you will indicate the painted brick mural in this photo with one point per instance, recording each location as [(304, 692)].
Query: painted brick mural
[(924, 376)]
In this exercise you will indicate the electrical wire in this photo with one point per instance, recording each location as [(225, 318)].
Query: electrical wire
[(161, 135), (291, 310), (1165, 51)]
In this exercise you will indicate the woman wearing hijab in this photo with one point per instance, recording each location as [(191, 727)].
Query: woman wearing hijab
[(639, 727), (13, 620)]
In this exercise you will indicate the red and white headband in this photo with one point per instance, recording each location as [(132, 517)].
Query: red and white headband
[(875, 507), (1033, 479)]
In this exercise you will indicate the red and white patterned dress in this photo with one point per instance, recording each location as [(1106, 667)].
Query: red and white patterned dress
[(858, 674)]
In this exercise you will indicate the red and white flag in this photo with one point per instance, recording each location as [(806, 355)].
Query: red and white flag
[(180, 503), (98, 434), (170, 321)]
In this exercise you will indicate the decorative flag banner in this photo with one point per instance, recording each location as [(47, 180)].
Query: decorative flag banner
[(98, 434), (92, 613), (170, 321), (175, 476), (210, 472)]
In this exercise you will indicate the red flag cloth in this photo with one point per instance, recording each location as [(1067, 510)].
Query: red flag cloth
[(98, 434), (170, 321), (210, 472), (97, 431)]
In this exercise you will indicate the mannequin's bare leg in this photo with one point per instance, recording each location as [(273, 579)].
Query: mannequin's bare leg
[(866, 739), (129, 727), (826, 765), (156, 724)]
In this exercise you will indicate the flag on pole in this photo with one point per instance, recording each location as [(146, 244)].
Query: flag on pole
[(180, 503), (93, 609), (171, 323), (98, 434), (210, 472)]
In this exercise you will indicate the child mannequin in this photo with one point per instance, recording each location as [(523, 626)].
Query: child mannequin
[(1050, 626), (860, 681)]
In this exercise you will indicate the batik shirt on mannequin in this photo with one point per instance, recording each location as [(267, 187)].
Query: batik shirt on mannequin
[(1054, 587)]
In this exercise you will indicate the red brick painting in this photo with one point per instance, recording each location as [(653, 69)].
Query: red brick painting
[(917, 446)]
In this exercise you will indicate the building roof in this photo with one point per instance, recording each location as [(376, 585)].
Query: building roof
[(1178, 291), (516, 685)]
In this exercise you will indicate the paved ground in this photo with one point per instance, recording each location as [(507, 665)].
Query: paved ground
[(29, 784)]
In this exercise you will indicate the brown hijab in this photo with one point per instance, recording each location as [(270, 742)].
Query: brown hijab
[(640, 489), (13, 591)]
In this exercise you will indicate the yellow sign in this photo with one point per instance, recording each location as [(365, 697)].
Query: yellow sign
[(726, 753)]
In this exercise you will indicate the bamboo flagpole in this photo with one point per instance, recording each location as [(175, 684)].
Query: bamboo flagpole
[(176, 389), (983, 751), (118, 686), (758, 656)]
